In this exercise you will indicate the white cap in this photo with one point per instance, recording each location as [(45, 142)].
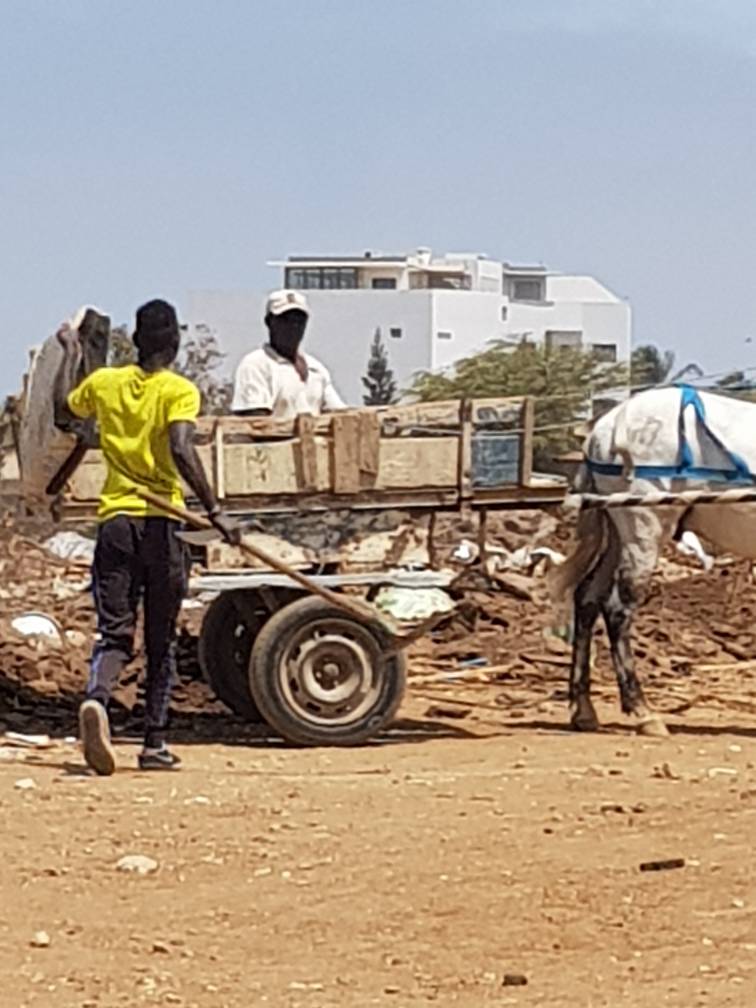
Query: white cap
[(281, 301)]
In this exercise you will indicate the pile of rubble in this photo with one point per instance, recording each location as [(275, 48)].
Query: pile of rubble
[(503, 624)]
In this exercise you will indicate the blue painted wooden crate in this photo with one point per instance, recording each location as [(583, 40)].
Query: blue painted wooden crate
[(495, 459)]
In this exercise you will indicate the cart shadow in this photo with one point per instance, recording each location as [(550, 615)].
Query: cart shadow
[(226, 730)]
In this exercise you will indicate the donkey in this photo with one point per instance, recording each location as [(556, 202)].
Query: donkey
[(669, 439)]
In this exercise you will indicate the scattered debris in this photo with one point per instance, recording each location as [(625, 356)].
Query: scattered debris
[(37, 624), (669, 865), (137, 864), (514, 980), (40, 940), (28, 741), (25, 784), (413, 604), (71, 546)]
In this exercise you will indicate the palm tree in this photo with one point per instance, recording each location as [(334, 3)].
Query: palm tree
[(650, 366)]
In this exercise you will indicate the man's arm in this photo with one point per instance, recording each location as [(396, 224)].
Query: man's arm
[(331, 398), (190, 467)]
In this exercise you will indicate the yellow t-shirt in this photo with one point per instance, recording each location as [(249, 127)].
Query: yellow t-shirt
[(134, 410)]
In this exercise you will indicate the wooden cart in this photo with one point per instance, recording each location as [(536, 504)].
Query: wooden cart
[(352, 499)]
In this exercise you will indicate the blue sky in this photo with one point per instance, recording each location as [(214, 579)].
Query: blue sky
[(150, 148)]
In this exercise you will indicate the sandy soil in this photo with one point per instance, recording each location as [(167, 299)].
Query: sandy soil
[(422, 869), (475, 841)]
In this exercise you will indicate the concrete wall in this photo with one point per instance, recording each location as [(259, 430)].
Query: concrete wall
[(342, 326), (472, 318)]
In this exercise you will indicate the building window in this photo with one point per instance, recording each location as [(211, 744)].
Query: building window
[(383, 283), (605, 352), (504, 313), (321, 278), (440, 281), (444, 335), (395, 333), (564, 339), (529, 289)]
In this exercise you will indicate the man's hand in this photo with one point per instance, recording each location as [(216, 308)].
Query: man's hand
[(228, 527)]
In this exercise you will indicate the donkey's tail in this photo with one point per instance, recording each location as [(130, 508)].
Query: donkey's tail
[(591, 538)]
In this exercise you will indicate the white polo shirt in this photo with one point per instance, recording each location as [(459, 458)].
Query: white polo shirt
[(267, 381)]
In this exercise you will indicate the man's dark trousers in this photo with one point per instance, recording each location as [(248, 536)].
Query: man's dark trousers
[(138, 559)]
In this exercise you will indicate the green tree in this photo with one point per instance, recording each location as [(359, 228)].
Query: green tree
[(563, 382), (122, 349), (379, 380), (200, 360), (650, 366)]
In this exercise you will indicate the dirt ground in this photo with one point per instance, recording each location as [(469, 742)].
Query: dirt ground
[(424, 868), (475, 846)]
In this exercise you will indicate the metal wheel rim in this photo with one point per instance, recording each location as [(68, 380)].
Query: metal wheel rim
[(330, 671)]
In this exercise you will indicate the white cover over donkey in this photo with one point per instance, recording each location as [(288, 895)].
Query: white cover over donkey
[(671, 439)]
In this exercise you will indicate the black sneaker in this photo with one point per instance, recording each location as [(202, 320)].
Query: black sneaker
[(158, 759), (94, 732)]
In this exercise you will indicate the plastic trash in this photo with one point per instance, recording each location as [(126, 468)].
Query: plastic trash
[(412, 604), (71, 546), (37, 624), (690, 545)]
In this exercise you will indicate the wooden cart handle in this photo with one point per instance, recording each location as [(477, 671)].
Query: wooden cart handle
[(356, 610)]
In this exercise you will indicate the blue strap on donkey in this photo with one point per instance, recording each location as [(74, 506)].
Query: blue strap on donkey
[(684, 469)]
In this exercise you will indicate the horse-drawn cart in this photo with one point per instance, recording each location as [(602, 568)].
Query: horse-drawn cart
[(351, 501)]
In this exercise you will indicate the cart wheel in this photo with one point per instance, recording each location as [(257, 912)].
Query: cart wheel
[(229, 628), (320, 677)]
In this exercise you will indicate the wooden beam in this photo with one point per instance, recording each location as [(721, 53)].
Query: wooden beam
[(346, 453), (306, 453), (526, 441), (369, 446), (465, 450), (219, 460)]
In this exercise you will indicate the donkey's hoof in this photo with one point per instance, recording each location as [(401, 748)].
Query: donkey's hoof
[(653, 727), (584, 721)]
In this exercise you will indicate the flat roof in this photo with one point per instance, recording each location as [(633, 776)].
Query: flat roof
[(511, 268), (338, 260)]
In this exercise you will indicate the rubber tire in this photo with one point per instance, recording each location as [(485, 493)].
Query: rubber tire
[(224, 658), (265, 687)]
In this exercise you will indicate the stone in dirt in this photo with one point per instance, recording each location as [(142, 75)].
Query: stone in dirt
[(25, 784), (137, 864), (41, 939)]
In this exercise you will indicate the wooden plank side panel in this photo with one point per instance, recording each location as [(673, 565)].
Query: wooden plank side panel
[(418, 463), (406, 465), (272, 468), (392, 419)]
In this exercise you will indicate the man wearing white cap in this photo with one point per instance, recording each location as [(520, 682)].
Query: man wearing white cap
[(279, 380)]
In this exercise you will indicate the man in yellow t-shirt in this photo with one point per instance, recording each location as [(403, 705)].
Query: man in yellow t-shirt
[(145, 414)]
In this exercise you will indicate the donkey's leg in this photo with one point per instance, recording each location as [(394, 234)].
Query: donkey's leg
[(618, 613), (589, 595), (638, 535)]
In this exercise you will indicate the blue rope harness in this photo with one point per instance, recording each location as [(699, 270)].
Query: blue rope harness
[(684, 469)]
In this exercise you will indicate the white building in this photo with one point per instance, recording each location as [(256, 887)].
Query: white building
[(431, 311)]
